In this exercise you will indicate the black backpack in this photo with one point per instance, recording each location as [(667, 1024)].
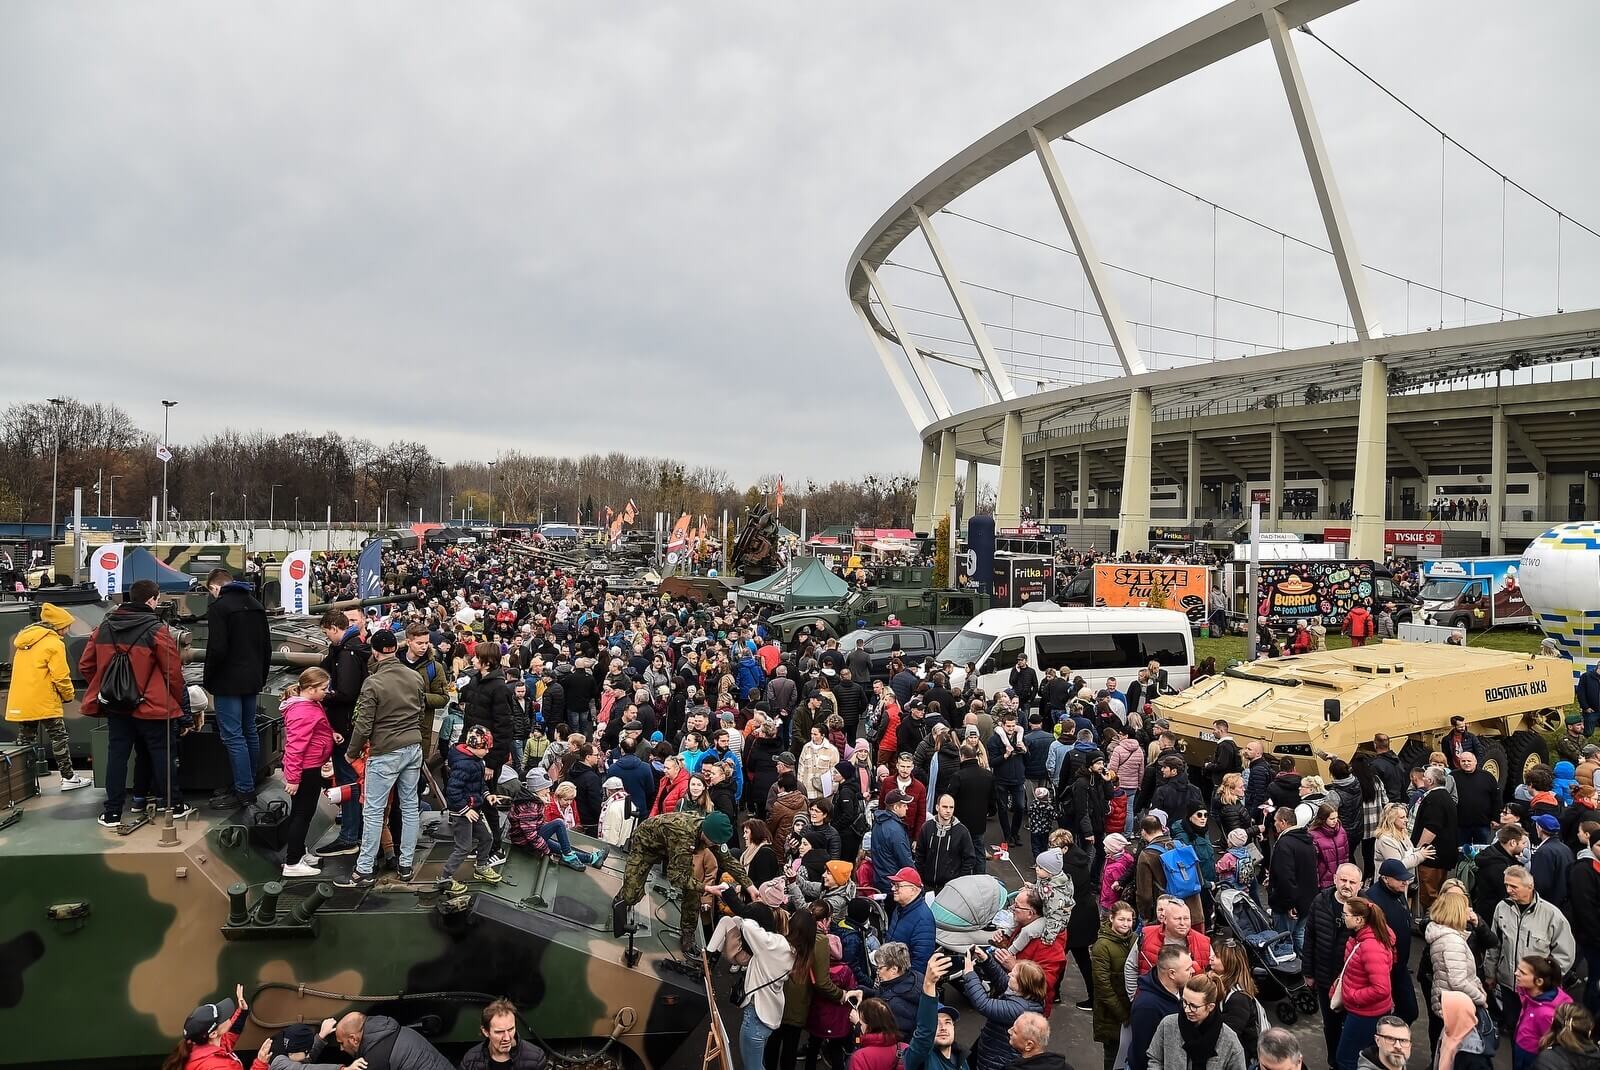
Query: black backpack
[(119, 686)]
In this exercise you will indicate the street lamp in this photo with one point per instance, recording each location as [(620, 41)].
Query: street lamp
[(452, 507), (297, 509), (111, 495), (246, 508), (166, 413), (386, 512), (211, 507), (357, 517), (494, 491), (55, 463), (441, 490), (471, 498), (272, 502)]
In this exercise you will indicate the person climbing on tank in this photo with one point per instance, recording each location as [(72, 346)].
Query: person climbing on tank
[(672, 840)]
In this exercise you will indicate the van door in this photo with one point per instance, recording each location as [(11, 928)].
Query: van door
[(994, 675)]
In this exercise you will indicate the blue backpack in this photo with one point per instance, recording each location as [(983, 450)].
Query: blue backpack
[(1182, 870)]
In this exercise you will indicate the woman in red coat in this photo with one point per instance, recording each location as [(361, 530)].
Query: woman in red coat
[(674, 782), (1364, 981), (879, 1046), (209, 1034)]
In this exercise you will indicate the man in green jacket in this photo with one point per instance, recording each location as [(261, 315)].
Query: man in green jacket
[(418, 654), (671, 840), (387, 720)]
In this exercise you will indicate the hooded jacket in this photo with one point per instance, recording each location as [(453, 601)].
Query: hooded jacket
[(920, 1054), (487, 703), (388, 710), (153, 652), (891, 847), (307, 736), (1293, 873), (942, 858), (407, 1049), (637, 778), (238, 642), (1106, 960), (1151, 1003), (40, 679)]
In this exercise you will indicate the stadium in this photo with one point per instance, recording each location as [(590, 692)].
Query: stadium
[(1467, 434)]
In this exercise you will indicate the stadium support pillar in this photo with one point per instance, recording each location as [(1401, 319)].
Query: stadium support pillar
[(970, 497), (1008, 500), (1191, 481), (1497, 481), (1049, 487), (927, 476), (1083, 486), (1133, 523), (1372, 462), (1275, 475), (944, 493)]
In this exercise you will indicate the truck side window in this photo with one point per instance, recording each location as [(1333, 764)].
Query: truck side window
[(880, 644), (1004, 656), (956, 609)]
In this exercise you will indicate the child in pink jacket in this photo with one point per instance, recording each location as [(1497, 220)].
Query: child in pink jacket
[(307, 746), (1118, 869)]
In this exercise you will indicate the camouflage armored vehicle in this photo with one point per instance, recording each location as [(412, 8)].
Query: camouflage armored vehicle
[(111, 939), (1331, 703)]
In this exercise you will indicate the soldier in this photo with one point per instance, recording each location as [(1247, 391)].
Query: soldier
[(673, 840), (40, 683)]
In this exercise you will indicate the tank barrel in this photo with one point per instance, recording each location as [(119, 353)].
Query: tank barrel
[(267, 908), (299, 659), (410, 594), (238, 908), (308, 907)]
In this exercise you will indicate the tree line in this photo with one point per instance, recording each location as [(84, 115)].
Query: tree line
[(299, 475)]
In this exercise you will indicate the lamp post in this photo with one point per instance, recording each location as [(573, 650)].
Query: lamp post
[(441, 491), (246, 497), (111, 495), (166, 423), (494, 490), (452, 507), (211, 507), (357, 514), (55, 462), (386, 512), (471, 499), (297, 510), (272, 502)]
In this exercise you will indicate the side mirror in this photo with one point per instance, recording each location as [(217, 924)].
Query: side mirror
[(1330, 709)]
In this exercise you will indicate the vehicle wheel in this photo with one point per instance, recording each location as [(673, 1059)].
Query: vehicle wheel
[(1495, 761), (1413, 754), (1306, 1000), (1524, 750), (1287, 1014)]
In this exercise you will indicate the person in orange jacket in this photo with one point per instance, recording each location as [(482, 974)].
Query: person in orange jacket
[(1358, 625)]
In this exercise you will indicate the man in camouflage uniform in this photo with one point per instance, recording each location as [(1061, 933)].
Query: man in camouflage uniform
[(672, 840)]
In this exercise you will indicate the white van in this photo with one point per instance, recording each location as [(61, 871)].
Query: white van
[(1093, 642)]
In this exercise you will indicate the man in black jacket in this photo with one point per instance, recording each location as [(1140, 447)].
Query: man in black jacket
[(1326, 939), (1489, 885), (1175, 796), (1583, 899), (849, 698), (1292, 882), (501, 1047), (1386, 764), (971, 791), (944, 848), (238, 654), (487, 701), (346, 665), (1257, 775), (584, 774), (1477, 799), (1024, 681), (580, 692)]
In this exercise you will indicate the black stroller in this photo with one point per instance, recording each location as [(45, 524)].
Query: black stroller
[(1273, 962)]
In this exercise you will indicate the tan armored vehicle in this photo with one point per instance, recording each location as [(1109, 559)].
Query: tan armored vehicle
[(1333, 702)]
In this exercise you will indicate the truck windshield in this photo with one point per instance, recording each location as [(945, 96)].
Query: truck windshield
[(966, 646), (1443, 590)]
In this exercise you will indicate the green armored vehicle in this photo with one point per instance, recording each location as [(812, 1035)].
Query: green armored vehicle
[(107, 942)]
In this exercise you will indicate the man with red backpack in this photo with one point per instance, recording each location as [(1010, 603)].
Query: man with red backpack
[(135, 679)]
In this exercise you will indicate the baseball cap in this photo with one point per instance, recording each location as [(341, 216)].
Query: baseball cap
[(895, 798), (954, 1014), (907, 875), (383, 640), (300, 1037), (206, 1017), (1547, 822), (786, 758), (1394, 869)]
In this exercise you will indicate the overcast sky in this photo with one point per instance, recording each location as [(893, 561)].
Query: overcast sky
[(573, 227)]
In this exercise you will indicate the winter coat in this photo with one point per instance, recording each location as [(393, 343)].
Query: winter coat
[(307, 737), (942, 858), (1477, 797), (1007, 757), (346, 664), (670, 791), (1348, 804), (1225, 817), (1150, 880), (591, 795), (487, 702), (799, 993), (1533, 1021), (781, 815), (828, 1019), (1113, 873), (1204, 853), (1106, 960), (903, 994), (1551, 862), (1536, 929), (1284, 790), (1177, 798), (1152, 1003), (1583, 900), (153, 652), (465, 785), (1083, 927), (388, 711), (875, 1051), (1166, 1048), (1126, 762), (972, 789), (40, 679), (1292, 876), (525, 1056), (1562, 1059), (815, 760), (238, 642), (637, 778), (1325, 940), (919, 802), (409, 1051), (1454, 968), (993, 1051), (1257, 775), (1333, 851), (913, 925), (1367, 984), (749, 675)]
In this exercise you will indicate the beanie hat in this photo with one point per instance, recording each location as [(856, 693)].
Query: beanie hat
[(479, 738), (1116, 843), (1303, 815), (1238, 838), (840, 871), (1049, 861), (716, 827), (835, 949), (55, 617), (774, 893)]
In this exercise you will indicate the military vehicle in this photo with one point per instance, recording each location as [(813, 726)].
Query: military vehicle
[(755, 551), (111, 940), (1331, 703), (874, 606)]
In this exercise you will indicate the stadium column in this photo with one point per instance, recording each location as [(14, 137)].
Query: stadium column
[(1133, 523), (1275, 472), (1008, 500), (1083, 485), (971, 495), (927, 476), (1372, 462), (1049, 487), (944, 494), (1191, 479), (1497, 480)]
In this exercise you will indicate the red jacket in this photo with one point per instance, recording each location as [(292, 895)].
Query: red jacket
[(1366, 987), (919, 802), (877, 1052), (1150, 946), (1358, 623), (670, 791), (218, 1056), (1052, 959), (154, 654)]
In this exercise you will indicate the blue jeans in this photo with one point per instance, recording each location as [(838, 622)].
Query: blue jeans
[(236, 724), (753, 1036), (385, 772), (1295, 927), (349, 810), (554, 834)]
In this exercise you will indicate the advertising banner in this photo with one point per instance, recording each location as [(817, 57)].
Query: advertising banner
[(294, 582), (1392, 536), (1299, 590), (105, 569), (1185, 587), (369, 570), (1020, 580)]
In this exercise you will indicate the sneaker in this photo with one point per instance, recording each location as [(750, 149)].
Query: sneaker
[(224, 800), (496, 860), (487, 874), (597, 857), (139, 802), (450, 886), (572, 861), (405, 873), (110, 821), (74, 782), (181, 811), (311, 860), (1085, 1004), (338, 847), (357, 879), (300, 869)]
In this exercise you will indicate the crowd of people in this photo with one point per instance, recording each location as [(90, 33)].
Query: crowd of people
[(804, 813)]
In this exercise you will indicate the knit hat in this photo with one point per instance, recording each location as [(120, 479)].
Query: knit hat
[(536, 780), (53, 616), (1238, 838), (716, 827), (773, 892), (1161, 816), (835, 949), (839, 870), (1049, 861), (1116, 843)]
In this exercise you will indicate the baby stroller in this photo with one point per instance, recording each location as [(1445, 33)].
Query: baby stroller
[(965, 912), (1273, 962)]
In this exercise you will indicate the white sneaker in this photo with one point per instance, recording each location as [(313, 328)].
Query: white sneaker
[(74, 782), (300, 869), (311, 860)]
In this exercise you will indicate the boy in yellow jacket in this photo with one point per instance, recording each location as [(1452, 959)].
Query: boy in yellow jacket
[(40, 683)]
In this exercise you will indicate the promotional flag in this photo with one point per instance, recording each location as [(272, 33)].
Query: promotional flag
[(369, 570), (777, 501), (294, 582), (105, 569), (630, 514), (162, 453)]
